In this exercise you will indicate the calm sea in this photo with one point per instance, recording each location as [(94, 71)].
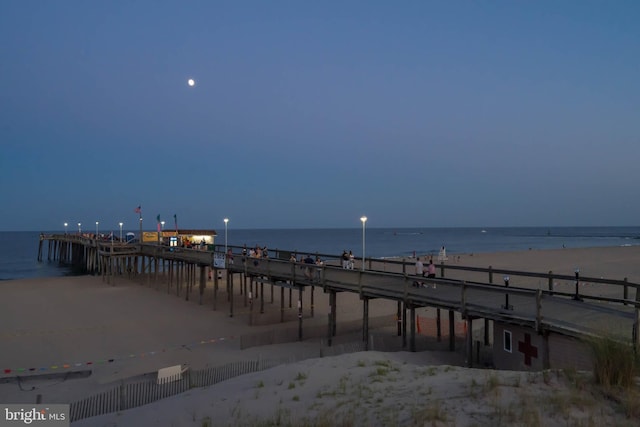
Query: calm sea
[(19, 250)]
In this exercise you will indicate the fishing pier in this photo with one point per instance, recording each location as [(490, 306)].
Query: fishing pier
[(526, 326)]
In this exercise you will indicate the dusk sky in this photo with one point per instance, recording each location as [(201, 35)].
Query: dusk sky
[(312, 114)]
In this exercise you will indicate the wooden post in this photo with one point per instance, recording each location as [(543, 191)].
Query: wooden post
[(230, 285), (215, 289), (282, 304), (332, 297), (486, 331), (179, 275), (404, 325), (399, 317), (203, 282), (539, 310), (188, 281), (251, 307), (438, 325), (311, 308), (148, 277), (551, 282), (329, 328), (413, 329), (626, 291), (244, 285), (108, 272), (299, 313), (365, 322), (244, 274), (40, 251), (452, 331), (261, 297), (636, 337), (335, 313), (469, 338), (463, 298), (156, 264), (192, 277)]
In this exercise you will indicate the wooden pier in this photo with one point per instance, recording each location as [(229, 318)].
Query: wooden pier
[(533, 328)]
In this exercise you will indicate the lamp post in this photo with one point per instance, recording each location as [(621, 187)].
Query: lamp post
[(121, 232), (79, 228), (162, 224), (364, 221), (65, 228), (97, 222), (577, 296), (506, 305), (226, 221)]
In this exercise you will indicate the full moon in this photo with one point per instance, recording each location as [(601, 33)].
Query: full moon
[(191, 82)]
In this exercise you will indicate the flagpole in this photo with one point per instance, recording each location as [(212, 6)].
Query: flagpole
[(140, 221)]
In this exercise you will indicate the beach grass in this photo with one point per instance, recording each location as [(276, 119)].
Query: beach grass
[(615, 363)]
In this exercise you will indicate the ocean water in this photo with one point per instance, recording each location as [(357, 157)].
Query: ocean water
[(19, 250)]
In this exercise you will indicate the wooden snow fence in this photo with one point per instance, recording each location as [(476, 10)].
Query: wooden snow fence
[(138, 393), (132, 395)]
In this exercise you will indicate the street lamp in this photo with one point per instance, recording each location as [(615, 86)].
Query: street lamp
[(79, 228), (65, 228), (97, 222), (162, 224), (506, 305), (226, 221), (364, 221), (121, 232), (577, 295)]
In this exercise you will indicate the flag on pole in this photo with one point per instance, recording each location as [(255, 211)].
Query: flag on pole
[(138, 210), (159, 223), (175, 220)]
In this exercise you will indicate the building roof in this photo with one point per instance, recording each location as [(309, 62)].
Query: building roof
[(185, 232)]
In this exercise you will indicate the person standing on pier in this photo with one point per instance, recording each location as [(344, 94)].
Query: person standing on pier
[(345, 259), (319, 264), (431, 269), (308, 271), (419, 272)]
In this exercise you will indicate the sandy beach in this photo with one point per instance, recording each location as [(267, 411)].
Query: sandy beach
[(128, 329)]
